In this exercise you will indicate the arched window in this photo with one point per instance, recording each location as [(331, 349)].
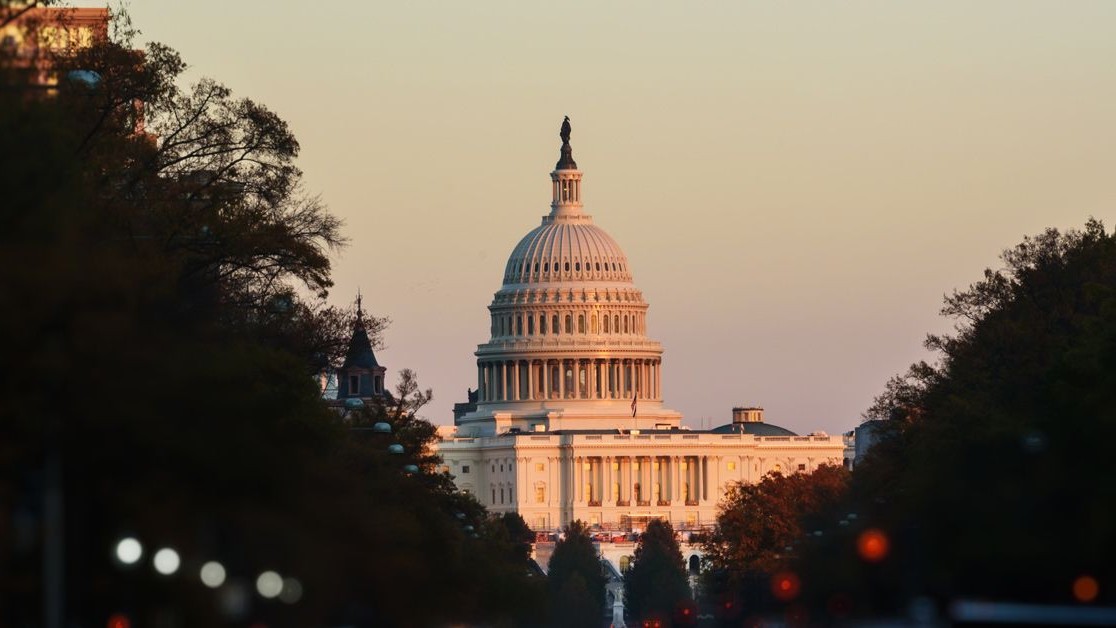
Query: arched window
[(518, 325), (607, 327), (569, 324), (577, 266), (536, 268), (531, 325), (616, 323), (598, 267), (625, 323), (593, 328), (581, 323), (546, 267), (503, 326), (567, 267), (542, 324), (554, 327)]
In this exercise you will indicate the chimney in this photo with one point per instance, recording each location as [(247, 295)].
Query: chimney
[(747, 415)]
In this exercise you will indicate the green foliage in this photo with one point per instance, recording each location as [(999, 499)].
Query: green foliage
[(574, 579), (656, 584)]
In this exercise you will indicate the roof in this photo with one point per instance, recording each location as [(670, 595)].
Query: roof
[(360, 353), (755, 428)]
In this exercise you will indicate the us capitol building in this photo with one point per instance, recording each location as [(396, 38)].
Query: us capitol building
[(568, 420)]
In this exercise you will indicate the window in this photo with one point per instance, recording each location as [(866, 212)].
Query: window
[(536, 268), (531, 325), (493, 496), (540, 493), (501, 496), (581, 323), (464, 468), (546, 267), (494, 468), (518, 325), (569, 324), (540, 466), (554, 327), (567, 267), (542, 325), (594, 326), (801, 467), (732, 466), (577, 266), (616, 323), (354, 384), (606, 325), (598, 267), (501, 468)]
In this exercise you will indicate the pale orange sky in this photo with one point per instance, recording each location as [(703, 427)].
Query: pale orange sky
[(795, 184)]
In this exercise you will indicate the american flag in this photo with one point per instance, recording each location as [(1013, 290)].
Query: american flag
[(633, 404)]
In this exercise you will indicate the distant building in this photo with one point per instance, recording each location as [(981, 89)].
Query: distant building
[(568, 420), (360, 378), (33, 38)]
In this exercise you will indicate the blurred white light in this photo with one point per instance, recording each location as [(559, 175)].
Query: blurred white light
[(269, 584), (166, 561), (292, 591), (213, 574), (128, 551)]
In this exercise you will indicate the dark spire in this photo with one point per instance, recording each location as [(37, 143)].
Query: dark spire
[(360, 346), (566, 162)]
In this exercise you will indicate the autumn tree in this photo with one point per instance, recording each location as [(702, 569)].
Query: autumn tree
[(656, 584)]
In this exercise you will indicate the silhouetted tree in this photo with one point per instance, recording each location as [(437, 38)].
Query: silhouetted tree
[(575, 580), (992, 476), (656, 584)]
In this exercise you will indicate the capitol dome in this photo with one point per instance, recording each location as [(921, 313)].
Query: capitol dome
[(566, 251), (568, 346)]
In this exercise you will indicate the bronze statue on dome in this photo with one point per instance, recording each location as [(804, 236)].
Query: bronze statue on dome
[(565, 133)]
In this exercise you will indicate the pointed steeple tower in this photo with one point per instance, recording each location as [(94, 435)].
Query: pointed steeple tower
[(361, 376)]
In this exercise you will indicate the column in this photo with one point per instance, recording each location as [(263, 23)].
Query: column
[(530, 379), (561, 379), (577, 480), (675, 477), (546, 378), (705, 478), (515, 381), (480, 381)]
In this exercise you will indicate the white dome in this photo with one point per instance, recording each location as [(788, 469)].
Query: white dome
[(559, 251)]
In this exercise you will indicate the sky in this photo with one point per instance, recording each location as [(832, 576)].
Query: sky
[(796, 185)]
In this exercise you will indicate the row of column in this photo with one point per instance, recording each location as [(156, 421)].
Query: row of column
[(641, 480), (531, 380)]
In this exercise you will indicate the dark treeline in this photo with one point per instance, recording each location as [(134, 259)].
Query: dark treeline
[(990, 477), (164, 278)]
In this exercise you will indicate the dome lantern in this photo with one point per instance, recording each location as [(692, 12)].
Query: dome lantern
[(566, 181)]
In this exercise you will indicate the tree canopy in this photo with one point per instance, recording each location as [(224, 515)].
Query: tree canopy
[(166, 277), (991, 474), (575, 581), (656, 584)]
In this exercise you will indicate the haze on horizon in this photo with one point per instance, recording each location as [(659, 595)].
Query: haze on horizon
[(796, 185)]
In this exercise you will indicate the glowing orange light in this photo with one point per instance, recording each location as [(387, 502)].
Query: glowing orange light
[(872, 545), (119, 620), (784, 586), (1085, 589)]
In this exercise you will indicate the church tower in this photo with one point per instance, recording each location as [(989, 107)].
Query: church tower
[(360, 376)]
